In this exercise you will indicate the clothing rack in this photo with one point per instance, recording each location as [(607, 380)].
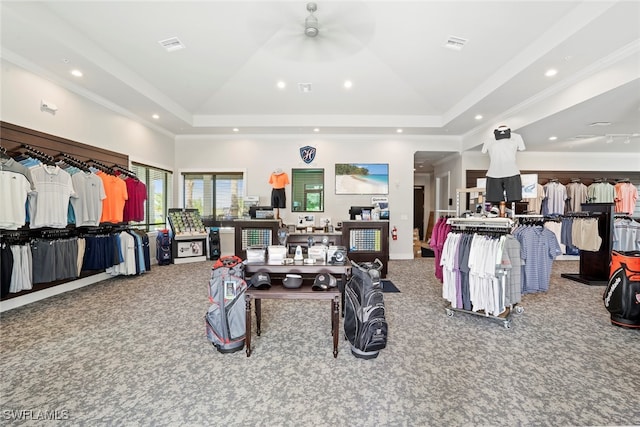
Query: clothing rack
[(493, 223), (500, 226), (101, 166), (594, 265), (39, 155), (72, 161), (124, 170)]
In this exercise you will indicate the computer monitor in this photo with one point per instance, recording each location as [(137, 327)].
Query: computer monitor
[(357, 210), (261, 212)]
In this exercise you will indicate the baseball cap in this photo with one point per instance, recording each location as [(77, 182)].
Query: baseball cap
[(323, 282), (261, 281)]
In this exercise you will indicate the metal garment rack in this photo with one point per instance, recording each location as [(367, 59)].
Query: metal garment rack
[(486, 224), (480, 197)]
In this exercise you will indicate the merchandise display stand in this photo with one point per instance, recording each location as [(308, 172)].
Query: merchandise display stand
[(502, 225), (594, 265), (476, 196), (367, 241), (189, 240), (254, 232)]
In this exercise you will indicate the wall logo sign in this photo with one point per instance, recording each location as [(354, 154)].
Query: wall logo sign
[(307, 154)]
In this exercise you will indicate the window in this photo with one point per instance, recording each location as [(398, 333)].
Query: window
[(217, 196), (307, 190), (158, 182)]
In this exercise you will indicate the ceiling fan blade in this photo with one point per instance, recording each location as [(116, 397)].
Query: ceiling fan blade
[(344, 29)]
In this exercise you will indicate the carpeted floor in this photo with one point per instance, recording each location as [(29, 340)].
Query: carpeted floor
[(133, 351)]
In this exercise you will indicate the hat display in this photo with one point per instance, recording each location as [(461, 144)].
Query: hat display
[(323, 282), (261, 281), (292, 281)]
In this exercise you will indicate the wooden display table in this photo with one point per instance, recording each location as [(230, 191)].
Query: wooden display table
[(277, 291)]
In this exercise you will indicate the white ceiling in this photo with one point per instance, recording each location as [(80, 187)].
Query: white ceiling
[(393, 52)]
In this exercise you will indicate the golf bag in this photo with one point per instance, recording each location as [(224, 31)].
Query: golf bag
[(163, 247), (365, 325), (622, 294), (226, 317)]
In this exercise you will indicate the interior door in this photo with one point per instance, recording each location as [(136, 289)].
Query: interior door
[(418, 209)]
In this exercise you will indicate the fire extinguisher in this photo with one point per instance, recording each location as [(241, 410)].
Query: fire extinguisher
[(394, 233)]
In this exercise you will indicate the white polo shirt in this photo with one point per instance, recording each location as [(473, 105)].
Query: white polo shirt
[(502, 155)]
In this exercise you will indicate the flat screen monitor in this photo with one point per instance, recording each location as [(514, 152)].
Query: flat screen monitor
[(357, 210), (261, 212)]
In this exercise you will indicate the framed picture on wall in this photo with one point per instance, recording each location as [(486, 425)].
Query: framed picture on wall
[(362, 178)]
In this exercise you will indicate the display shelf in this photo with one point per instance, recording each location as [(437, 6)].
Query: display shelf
[(255, 232), (367, 240), (186, 224), (302, 239), (189, 235)]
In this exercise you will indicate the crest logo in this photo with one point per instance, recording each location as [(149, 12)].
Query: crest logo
[(307, 154)]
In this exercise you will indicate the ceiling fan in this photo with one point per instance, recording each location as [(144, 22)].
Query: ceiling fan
[(333, 31), (311, 23)]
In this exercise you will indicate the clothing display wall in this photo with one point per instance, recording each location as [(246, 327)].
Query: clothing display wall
[(51, 207)]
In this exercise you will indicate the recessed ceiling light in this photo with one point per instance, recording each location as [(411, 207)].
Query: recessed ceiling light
[(553, 138), (600, 124), (155, 116), (316, 130), (348, 84), (551, 72), (76, 73), (281, 84), (236, 130), (478, 117), (399, 130)]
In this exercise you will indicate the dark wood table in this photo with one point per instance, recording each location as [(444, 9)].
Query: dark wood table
[(305, 292)]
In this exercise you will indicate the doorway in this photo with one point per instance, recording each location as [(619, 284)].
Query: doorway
[(418, 209)]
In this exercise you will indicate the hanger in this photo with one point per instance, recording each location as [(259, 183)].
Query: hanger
[(101, 166), (39, 155), (72, 161), (125, 171), (3, 153)]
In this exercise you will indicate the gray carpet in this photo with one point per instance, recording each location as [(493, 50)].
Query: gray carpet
[(133, 351)]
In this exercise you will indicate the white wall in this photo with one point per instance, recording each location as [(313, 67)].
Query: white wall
[(449, 168), (78, 118), (260, 155)]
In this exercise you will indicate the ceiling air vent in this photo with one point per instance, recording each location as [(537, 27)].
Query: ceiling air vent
[(304, 87), (171, 44), (455, 43)]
